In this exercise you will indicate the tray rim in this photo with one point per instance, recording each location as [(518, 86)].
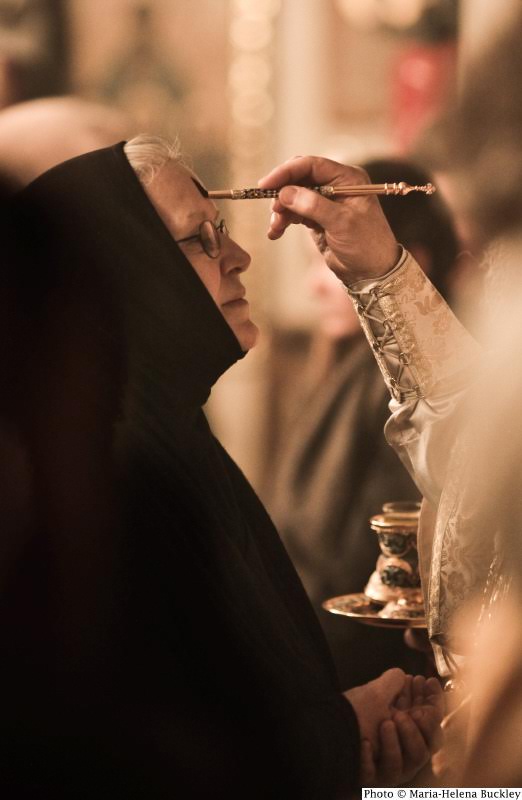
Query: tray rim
[(372, 618)]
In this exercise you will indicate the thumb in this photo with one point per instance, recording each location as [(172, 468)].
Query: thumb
[(308, 204), (390, 684)]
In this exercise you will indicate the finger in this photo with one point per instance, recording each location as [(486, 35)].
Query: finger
[(414, 747), (282, 208), (433, 688), (436, 705), (417, 690), (279, 222), (308, 205), (278, 206), (367, 771), (311, 171), (428, 722), (436, 698), (391, 684), (390, 764), (404, 699)]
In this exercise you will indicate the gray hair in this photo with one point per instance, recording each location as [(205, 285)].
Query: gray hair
[(148, 154)]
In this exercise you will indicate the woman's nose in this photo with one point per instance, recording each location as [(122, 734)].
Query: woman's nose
[(233, 257)]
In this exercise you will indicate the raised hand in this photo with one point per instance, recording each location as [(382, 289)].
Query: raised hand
[(352, 233)]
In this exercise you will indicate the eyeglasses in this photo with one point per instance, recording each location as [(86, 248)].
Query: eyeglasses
[(209, 237)]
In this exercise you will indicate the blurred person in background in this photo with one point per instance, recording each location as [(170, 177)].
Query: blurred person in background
[(157, 639), (455, 418), (336, 469), (37, 134)]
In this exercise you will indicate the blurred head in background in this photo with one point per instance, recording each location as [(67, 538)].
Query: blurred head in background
[(38, 134), (421, 223), (478, 142)]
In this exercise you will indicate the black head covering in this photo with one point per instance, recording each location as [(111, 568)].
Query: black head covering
[(95, 231), (161, 617)]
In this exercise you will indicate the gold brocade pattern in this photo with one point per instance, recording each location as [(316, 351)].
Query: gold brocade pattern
[(417, 341), (422, 349), (461, 559)]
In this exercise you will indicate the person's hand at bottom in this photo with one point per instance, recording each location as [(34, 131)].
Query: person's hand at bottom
[(423, 700), (373, 702), (402, 753), (407, 739)]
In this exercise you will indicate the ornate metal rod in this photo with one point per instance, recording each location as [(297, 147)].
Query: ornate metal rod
[(398, 189)]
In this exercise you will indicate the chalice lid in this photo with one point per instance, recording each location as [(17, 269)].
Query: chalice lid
[(406, 507), (406, 522)]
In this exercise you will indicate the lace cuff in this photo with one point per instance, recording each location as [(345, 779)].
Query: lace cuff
[(419, 344)]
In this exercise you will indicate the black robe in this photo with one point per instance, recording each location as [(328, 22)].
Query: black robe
[(158, 642)]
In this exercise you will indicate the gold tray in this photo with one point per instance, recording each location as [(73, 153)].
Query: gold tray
[(362, 608)]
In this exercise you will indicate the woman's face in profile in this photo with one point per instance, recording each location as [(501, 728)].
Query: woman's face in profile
[(183, 208)]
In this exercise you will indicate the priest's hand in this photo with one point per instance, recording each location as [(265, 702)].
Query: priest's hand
[(352, 233)]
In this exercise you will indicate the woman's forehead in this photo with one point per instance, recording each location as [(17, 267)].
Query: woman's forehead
[(178, 200), (194, 191)]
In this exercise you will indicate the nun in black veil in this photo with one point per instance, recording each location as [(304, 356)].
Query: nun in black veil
[(157, 641)]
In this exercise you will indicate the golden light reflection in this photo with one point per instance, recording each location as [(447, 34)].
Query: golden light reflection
[(249, 71), (250, 34), (261, 8), (253, 109), (369, 14)]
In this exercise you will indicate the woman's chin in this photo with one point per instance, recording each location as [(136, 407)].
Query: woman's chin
[(247, 334)]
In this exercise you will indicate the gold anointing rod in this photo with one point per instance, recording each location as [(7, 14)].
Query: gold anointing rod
[(400, 189)]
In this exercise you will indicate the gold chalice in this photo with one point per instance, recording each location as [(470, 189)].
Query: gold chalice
[(392, 596)]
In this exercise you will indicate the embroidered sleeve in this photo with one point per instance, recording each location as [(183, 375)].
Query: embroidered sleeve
[(419, 344)]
